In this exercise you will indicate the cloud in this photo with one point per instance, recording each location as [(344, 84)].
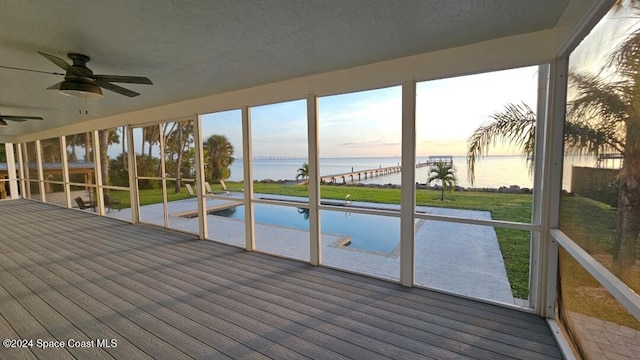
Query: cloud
[(361, 108)]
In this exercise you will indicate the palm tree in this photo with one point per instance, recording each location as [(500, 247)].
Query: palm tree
[(106, 138), (72, 142), (446, 174), (612, 108), (151, 135), (303, 172), (604, 117), (218, 156), (178, 137)]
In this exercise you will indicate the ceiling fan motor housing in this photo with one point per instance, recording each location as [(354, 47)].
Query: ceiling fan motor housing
[(81, 83)]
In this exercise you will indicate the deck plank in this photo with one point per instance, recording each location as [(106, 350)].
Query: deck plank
[(8, 333), (140, 312), (388, 349), (28, 328), (162, 294), (189, 319), (125, 330), (506, 338), (50, 319), (82, 319), (293, 289), (328, 341), (320, 308)]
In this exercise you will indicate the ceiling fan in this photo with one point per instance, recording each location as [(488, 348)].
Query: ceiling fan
[(16, 118), (80, 81)]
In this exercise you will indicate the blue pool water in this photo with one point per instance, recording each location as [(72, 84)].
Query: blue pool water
[(368, 232)]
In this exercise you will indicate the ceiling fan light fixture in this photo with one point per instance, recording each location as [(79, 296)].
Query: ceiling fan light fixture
[(80, 89), (3, 123)]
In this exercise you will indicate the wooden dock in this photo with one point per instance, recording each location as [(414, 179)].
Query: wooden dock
[(361, 174), (610, 161), (439, 159), (358, 175)]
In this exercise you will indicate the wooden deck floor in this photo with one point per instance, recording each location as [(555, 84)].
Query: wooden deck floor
[(68, 274)]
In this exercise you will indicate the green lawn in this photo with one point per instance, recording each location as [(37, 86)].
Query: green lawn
[(147, 197), (592, 225)]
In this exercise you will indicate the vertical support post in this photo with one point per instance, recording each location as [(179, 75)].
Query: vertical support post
[(133, 177), (97, 165), (43, 197), (539, 156), (315, 256), (163, 176), (552, 184), (11, 170), (65, 171), (23, 171), (203, 231), (247, 157), (408, 184)]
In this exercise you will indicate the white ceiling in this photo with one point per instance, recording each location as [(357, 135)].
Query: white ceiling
[(194, 48)]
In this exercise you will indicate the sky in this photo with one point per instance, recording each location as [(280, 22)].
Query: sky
[(594, 49), (368, 123)]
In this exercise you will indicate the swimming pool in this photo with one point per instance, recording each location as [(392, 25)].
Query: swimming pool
[(366, 232)]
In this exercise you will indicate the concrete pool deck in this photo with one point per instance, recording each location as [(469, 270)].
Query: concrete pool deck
[(458, 258)]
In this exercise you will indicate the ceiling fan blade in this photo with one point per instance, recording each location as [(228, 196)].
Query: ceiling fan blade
[(55, 86), (115, 88), (61, 63), (20, 118), (124, 79), (12, 119)]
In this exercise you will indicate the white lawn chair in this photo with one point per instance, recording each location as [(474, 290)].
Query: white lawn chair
[(227, 192), (190, 191), (208, 189)]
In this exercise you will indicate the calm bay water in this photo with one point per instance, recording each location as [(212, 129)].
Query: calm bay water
[(491, 171)]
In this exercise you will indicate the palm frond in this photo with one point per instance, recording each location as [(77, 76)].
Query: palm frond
[(596, 119), (626, 58), (515, 125), (597, 100), (580, 139)]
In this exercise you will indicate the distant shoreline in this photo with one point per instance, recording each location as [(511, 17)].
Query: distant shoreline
[(493, 171), (512, 189)]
